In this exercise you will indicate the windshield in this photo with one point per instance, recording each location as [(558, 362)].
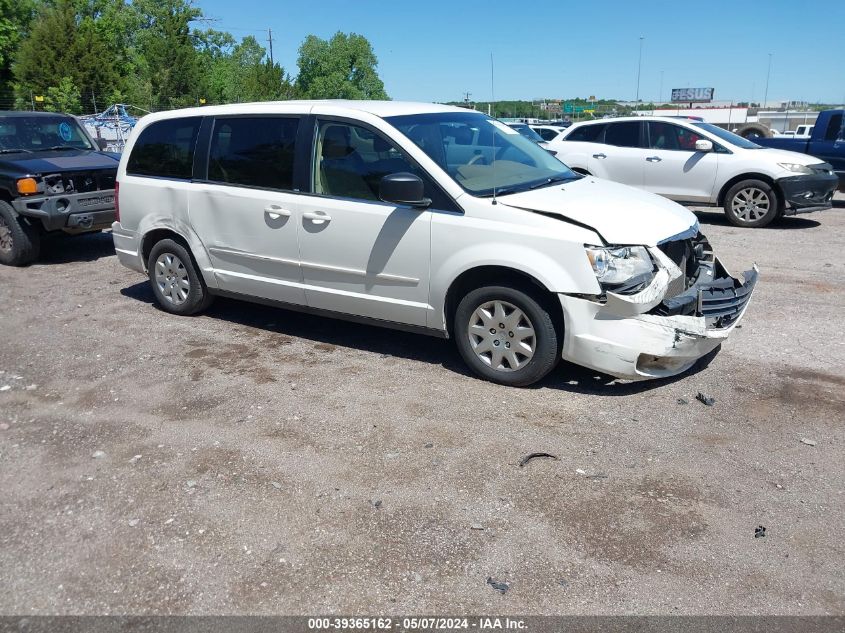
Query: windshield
[(730, 137), (40, 133), (482, 154)]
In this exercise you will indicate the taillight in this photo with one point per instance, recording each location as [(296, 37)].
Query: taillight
[(116, 201)]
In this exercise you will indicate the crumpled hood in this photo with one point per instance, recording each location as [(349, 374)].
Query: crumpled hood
[(57, 161), (619, 213)]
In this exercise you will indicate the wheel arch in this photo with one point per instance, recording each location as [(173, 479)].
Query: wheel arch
[(154, 234), (749, 176), (496, 275)]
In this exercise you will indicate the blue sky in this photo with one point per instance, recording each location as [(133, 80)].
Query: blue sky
[(435, 50)]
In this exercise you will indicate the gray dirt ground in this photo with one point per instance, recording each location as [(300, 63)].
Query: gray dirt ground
[(260, 461)]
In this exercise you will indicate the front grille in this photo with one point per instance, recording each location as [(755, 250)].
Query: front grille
[(80, 181), (723, 300)]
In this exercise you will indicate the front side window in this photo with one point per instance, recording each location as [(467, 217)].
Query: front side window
[(623, 134), (663, 135), (253, 151), (42, 133), (351, 160), (165, 149), (481, 154)]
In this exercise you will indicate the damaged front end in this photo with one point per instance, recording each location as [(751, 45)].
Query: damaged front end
[(656, 324)]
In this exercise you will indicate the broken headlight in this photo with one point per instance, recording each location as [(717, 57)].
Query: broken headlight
[(621, 267)]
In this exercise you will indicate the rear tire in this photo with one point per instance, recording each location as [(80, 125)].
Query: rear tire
[(20, 241), (752, 204), (506, 336), (177, 285)]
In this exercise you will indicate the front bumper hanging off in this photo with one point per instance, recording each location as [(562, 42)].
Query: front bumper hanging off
[(807, 193), (649, 335)]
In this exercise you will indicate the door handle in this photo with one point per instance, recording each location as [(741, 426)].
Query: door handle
[(274, 211), (654, 159), (599, 155), (317, 217)]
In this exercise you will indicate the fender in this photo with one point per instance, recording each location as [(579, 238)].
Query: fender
[(176, 224)]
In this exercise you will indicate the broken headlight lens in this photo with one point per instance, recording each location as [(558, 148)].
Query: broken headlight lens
[(620, 265)]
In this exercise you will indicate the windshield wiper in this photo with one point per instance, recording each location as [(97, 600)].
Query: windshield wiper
[(58, 147), (551, 181), (14, 151)]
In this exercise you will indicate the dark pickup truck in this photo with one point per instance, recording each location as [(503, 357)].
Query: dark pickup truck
[(53, 178), (827, 142)]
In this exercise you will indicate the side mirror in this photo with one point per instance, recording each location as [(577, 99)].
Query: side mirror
[(703, 146), (403, 188)]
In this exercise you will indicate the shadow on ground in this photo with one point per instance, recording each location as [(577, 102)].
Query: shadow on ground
[(718, 218), (63, 249), (389, 342)]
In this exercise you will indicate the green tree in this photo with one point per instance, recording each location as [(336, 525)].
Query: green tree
[(63, 98), (15, 20), (166, 48), (343, 67), (240, 72), (62, 45)]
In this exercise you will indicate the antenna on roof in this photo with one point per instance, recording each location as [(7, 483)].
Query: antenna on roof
[(493, 100)]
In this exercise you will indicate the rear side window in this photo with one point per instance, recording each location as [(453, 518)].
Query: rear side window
[(625, 134), (165, 149), (253, 151), (834, 128), (588, 134)]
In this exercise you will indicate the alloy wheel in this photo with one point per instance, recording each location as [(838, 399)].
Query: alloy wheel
[(501, 335), (172, 278), (750, 204)]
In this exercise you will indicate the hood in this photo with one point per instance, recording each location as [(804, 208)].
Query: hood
[(785, 156), (58, 161), (620, 214)]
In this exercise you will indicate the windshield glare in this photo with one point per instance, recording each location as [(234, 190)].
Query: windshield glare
[(41, 133), (730, 137), (482, 154)]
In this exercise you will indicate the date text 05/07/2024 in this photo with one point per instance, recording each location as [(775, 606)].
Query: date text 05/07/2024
[(482, 623)]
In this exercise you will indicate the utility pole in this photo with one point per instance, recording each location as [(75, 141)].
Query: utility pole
[(270, 39), (467, 95), (768, 74), (660, 96), (639, 68)]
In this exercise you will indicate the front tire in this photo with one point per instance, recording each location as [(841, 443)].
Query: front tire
[(177, 285), (752, 204), (506, 336), (20, 241)]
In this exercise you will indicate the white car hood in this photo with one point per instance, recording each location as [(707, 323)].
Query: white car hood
[(784, 156), (619, 213)]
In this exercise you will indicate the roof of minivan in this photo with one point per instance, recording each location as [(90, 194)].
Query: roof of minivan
[(377, 108)]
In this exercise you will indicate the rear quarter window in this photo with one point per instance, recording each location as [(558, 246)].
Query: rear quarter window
[(165, 149)]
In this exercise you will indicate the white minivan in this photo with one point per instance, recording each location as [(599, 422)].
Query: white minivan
[(695, 162), (424, 217)]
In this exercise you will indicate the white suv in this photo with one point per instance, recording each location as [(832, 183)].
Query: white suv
[(424, 217), (695, 162)]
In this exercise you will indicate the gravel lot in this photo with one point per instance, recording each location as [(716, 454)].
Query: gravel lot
[(253, 460)]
